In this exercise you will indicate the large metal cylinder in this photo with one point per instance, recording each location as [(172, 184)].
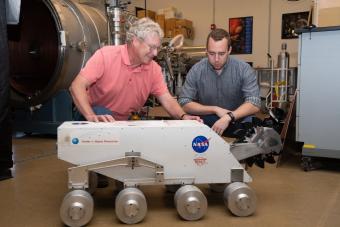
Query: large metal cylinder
[(117, 25), (283, 57), (52, 42), (283, 65)]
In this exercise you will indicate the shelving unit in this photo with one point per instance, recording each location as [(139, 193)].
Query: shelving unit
[(275, 91)]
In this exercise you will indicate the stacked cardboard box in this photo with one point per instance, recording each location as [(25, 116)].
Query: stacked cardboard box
[(160, 19), (184, 27), (170, 12), (174, 26), (170, 25), (149, 13), (326, 13)]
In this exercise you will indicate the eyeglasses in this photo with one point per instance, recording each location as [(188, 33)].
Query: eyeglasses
[(151, 47), (213, 54)]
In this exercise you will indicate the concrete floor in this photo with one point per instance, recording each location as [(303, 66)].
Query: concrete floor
[(287, 196)]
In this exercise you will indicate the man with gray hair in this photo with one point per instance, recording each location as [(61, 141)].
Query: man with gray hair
[(117, 80)]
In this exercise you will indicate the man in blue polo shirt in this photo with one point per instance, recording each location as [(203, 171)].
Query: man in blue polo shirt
[(221, 89)]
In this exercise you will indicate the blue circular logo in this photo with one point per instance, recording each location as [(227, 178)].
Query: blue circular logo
[(75, 140), (200, 144)]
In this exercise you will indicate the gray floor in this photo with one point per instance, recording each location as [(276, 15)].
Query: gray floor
[(287, 196)]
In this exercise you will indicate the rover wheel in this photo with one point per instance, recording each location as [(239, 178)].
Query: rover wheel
[(240, 199), (190, 202), (131, 206), (77, 208)]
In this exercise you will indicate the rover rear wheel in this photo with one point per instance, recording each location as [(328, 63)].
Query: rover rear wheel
[(240, 199)]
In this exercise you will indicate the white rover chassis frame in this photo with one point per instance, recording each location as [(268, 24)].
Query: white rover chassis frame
[(181, 153)]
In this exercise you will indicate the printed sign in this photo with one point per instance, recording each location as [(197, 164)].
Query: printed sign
[(95, 137)]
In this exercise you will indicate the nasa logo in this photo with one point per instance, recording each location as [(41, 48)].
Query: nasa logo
[(75, 140), (200, 144)]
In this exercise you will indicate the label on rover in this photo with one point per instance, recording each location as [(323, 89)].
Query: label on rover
[(100, 137), (200, 161), (200, 144)]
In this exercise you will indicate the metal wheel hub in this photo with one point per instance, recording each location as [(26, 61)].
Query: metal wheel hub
[(193, 205), (243, 201), (131, 208), (76, 211)]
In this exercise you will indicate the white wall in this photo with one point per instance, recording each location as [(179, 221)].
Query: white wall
[(266, 32), (259, 9)]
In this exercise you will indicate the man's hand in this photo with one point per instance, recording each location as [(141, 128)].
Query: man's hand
[(100, 118), (220, 125), (191, 117), (220, 112)]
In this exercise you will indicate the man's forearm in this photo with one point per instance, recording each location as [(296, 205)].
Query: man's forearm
[(81, 101), (245, 110), (174, 109), (199, 109), (171, 106)]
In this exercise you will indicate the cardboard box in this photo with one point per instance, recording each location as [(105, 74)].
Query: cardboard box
[(169, 33), (170, 25), (329, 17), (170, 12), (183, 23), (186, 32), (160, 19), (174, 26), (149, 13)]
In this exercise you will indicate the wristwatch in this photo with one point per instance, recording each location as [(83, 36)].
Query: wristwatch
[(232, 117)]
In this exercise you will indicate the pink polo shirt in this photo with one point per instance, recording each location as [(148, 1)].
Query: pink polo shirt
[(119, 87)]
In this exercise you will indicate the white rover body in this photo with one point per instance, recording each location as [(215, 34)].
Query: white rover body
[(182, 153)]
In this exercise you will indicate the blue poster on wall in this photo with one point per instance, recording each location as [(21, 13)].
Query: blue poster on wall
[(241, 34)]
